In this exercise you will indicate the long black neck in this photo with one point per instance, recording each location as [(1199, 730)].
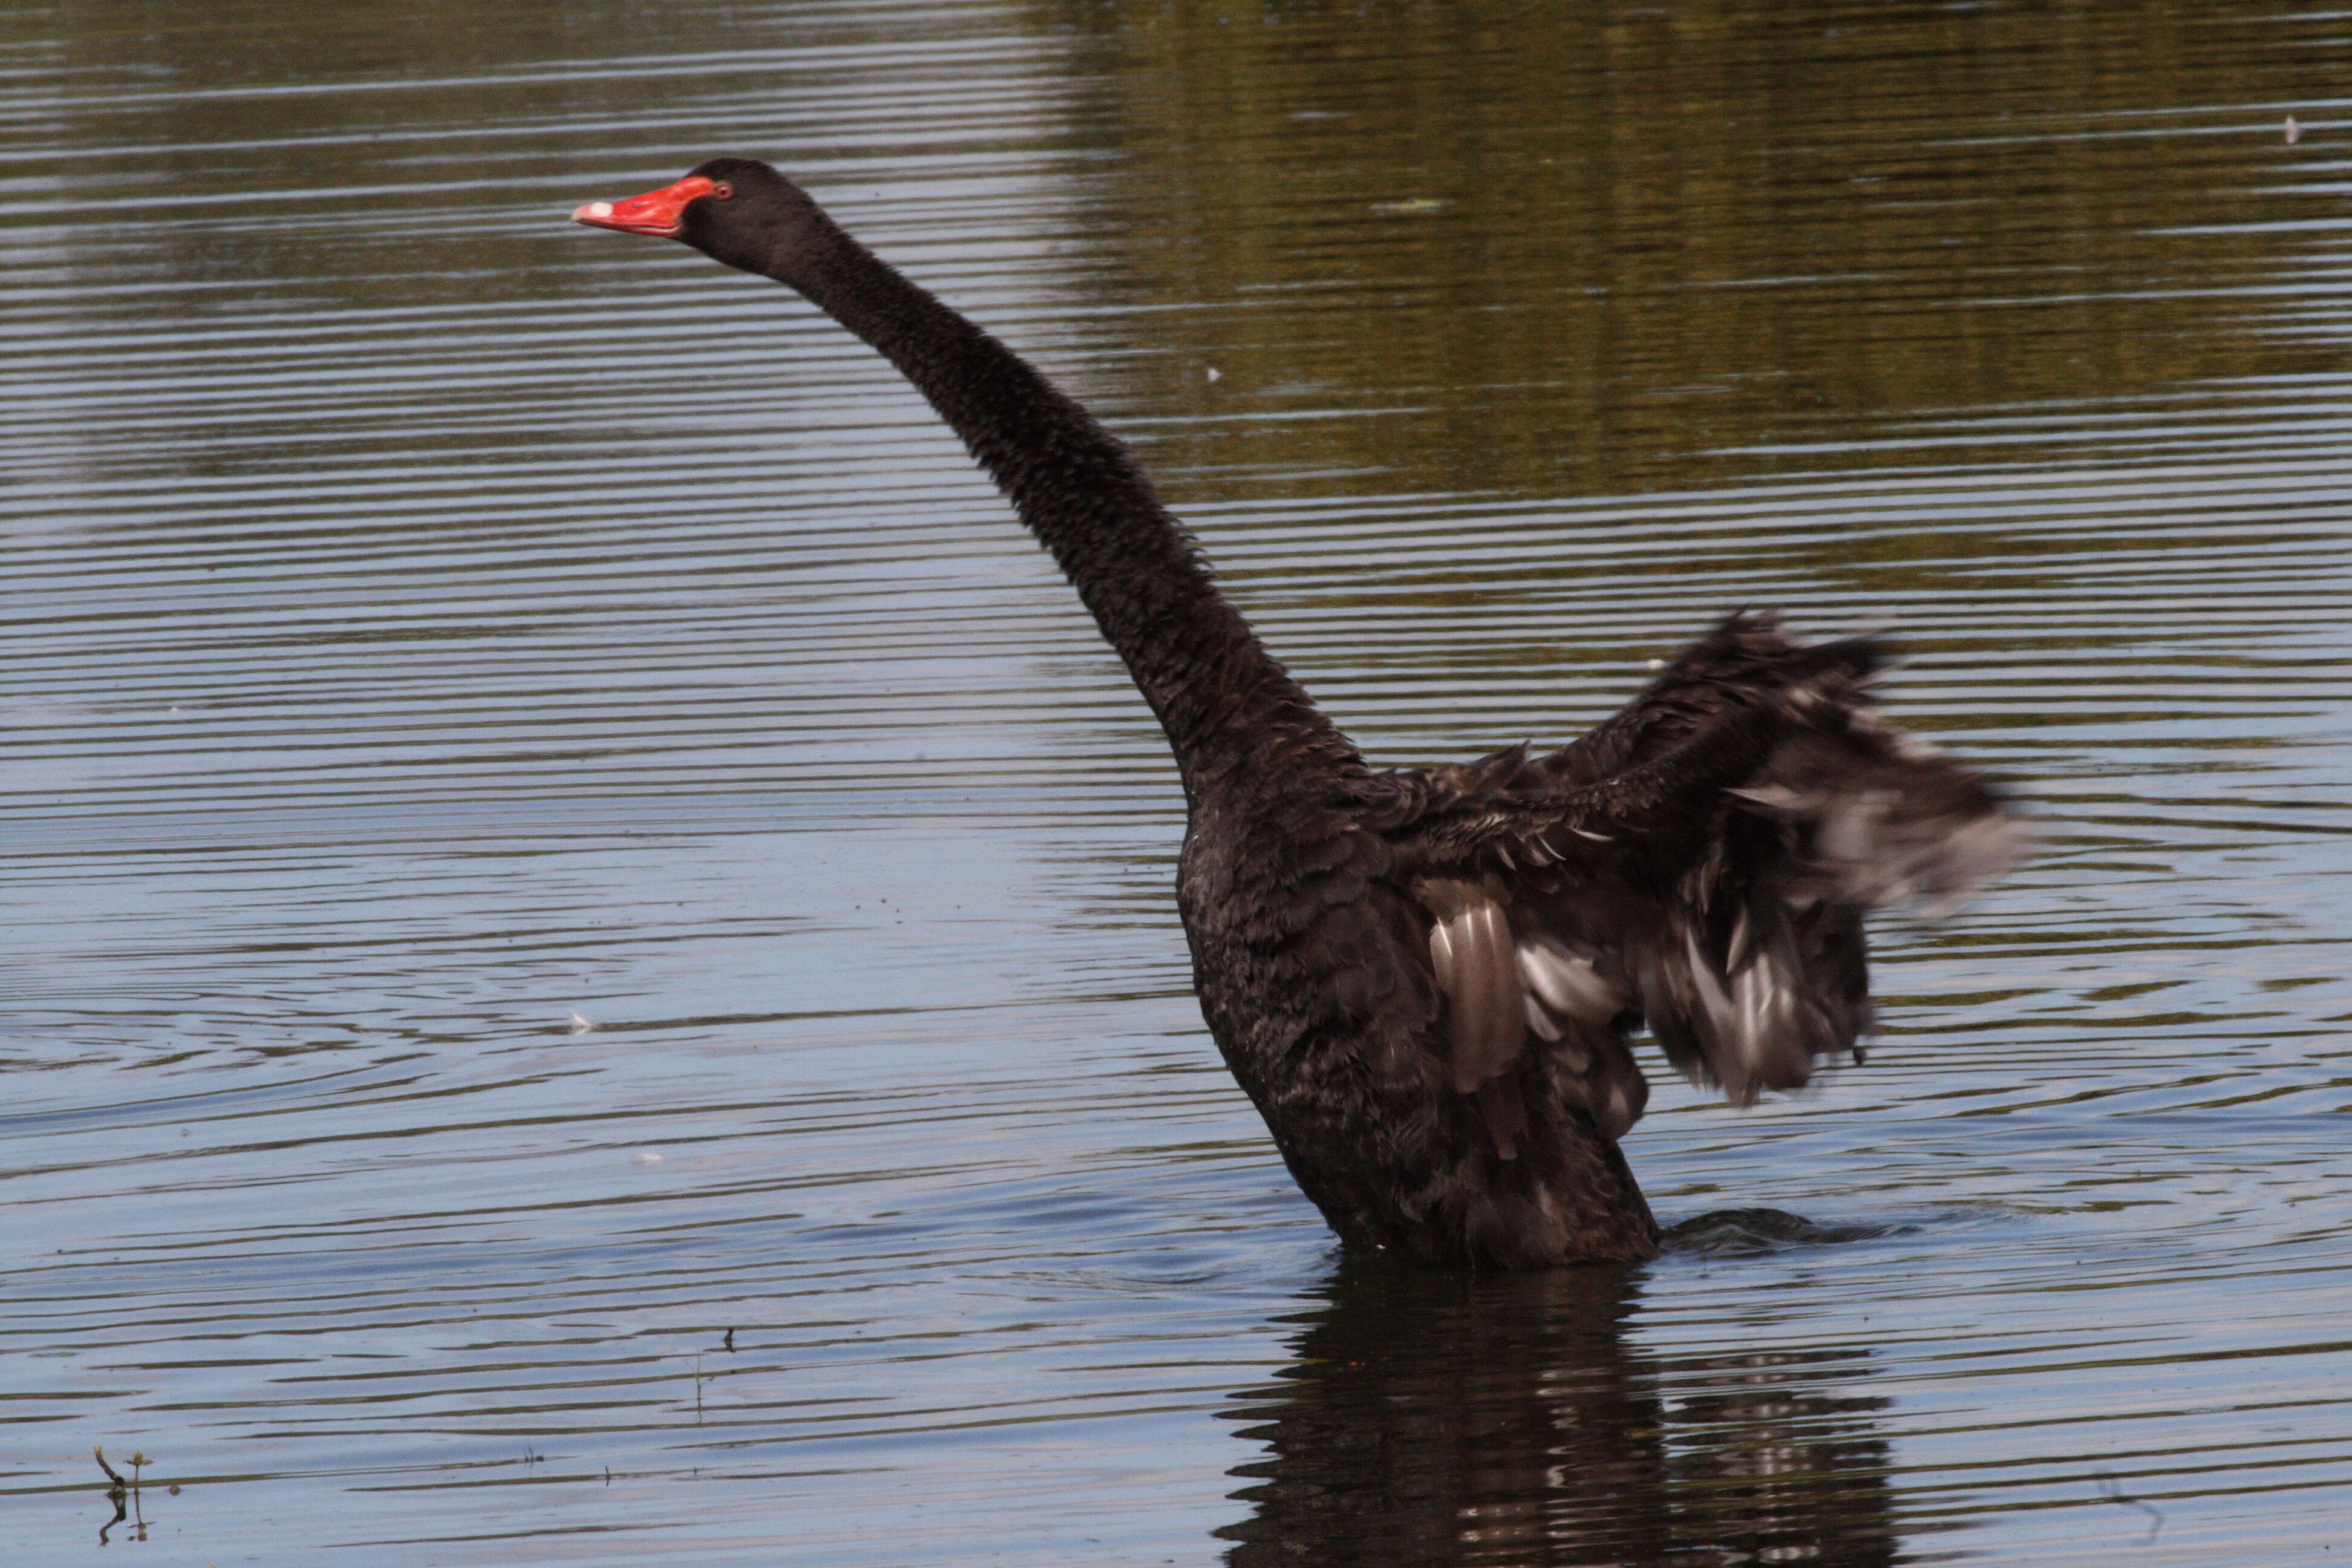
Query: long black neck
[(1225, 702)]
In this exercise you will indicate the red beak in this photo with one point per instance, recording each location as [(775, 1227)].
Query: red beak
[(657, 212)]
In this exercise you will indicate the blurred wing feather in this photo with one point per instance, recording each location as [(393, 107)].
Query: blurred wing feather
[(1704, 861)]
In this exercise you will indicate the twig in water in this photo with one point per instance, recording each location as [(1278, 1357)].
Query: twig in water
[(125, 1495), (2116, 1494)]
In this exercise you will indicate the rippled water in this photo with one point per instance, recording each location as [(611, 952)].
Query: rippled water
[(591, 974)]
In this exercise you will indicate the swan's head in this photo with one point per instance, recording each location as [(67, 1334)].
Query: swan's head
[(735, 210)]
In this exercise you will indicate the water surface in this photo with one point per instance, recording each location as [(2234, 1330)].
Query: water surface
[(591, 974)]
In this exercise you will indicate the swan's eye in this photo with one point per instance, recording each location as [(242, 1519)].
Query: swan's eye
[(722, 190)]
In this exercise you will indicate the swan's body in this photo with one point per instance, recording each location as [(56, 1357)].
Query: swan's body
[(1428, 982)]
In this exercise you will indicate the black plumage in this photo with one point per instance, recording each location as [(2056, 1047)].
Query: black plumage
[(1430, 982)]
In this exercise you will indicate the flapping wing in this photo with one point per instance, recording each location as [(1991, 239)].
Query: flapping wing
[(1703, 863), (1532, 887)]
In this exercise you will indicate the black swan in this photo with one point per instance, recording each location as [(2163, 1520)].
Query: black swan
[(1429, 982)]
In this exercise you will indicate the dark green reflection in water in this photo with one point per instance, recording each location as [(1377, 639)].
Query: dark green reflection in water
[(1603, 248), (1433, 1419)]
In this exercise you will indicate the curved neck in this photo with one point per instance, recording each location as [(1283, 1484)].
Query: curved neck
[(1221, 697)]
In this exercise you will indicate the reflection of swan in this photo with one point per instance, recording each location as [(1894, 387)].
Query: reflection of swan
[(1448, 1419), (1428, 982)]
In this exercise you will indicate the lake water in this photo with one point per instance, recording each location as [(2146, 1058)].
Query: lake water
[(592, 976)]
